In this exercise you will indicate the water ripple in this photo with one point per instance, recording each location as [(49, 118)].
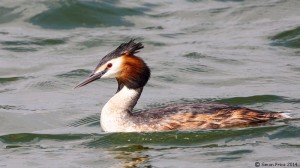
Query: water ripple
[(66, 15), (179, 137), (290, 38), (31, 44), (196, 55), (75, 73), (257, 99), (34, 41), (11, 79), (8, 15), (33, 138), (92, 120)]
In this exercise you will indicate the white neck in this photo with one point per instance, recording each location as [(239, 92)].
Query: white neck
[(116, 112)]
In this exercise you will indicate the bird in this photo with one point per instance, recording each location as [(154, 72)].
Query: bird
[(132, 74)]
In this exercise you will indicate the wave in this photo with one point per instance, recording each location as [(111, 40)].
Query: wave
[(75, 13)]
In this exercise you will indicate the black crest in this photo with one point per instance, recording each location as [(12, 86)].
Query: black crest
[(129, 48)]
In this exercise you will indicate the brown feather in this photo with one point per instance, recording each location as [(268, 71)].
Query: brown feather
[(135, 72), (199, 116)]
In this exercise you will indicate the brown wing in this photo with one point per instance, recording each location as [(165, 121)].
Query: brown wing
[(203, 116), (223, 118)]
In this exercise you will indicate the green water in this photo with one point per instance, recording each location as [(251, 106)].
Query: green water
[(240, 52)]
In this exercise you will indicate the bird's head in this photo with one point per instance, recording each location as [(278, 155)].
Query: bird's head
[(129, 70)]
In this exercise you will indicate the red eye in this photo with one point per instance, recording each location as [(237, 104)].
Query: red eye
[(109, 65)]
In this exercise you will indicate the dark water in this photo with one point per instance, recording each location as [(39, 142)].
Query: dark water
[(241, 52)]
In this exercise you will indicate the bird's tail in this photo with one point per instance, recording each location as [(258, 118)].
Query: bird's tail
[(285, 115)]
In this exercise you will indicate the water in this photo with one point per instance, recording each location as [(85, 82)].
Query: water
[(241, 52)]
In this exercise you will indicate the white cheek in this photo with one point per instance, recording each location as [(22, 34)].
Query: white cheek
[(114, 70)]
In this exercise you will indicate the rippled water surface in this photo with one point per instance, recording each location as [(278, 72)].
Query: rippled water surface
[(240, 52)]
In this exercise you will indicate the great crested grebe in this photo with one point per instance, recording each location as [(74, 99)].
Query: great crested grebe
[(132, 74)]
